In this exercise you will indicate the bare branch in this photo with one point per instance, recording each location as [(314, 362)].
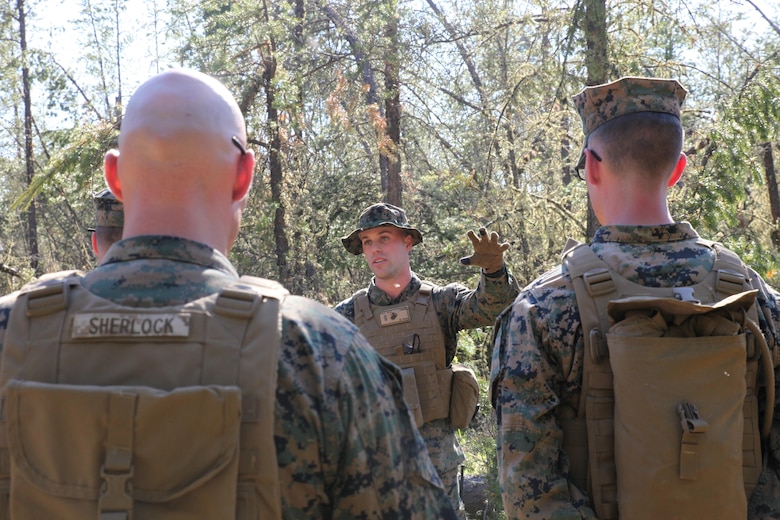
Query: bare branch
[(772, 24)]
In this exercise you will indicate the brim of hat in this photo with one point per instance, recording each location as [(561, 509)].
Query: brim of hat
[(354, 245)]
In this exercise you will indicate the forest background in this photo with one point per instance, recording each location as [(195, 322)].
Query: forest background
[(459, 111)]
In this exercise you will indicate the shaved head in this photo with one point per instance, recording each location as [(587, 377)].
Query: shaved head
[(177, 167), (180, 104)]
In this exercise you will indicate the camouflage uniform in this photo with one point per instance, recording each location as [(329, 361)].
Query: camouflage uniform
[(537, 365), (458, 308), (343, 449), (538, 359)]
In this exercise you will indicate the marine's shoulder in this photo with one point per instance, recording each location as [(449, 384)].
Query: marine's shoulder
[(550, 283), (6, 304), (8, 301), (315, 319), (552, 290), (449, 290)]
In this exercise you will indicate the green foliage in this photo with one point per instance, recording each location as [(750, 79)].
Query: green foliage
[(78, 157)]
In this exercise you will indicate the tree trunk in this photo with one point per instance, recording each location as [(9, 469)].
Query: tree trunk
[(275, 168), (393, 192), (595, 29), (771, 185), (32, 219)]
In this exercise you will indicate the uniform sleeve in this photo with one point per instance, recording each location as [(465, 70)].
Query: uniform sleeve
[(524, 379), (764, 502), (346, 444), (469, 309), (386, 468), (347, 309)]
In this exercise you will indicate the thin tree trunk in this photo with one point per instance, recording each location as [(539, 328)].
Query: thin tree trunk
[(275, 169), (32, 219), (771, 185), (394, 190), (596, 64), (507, 163)]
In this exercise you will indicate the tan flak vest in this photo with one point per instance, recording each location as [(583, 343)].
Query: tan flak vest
[(668, 423), (409, 334), (113, 413)]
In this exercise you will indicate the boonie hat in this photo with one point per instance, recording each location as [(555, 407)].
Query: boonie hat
[(110, 212), (381, 214), (601, 103)]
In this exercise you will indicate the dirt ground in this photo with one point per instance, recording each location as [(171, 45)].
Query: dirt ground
[(474, 497)]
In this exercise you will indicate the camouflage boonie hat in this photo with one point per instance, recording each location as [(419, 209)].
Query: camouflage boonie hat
[(109, 212), (382, 214), (601, 103)]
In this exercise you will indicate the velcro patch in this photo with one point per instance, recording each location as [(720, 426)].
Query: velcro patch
[(113, 324)]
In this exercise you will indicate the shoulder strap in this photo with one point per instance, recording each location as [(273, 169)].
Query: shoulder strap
[(593, 288), (47, 296), (364, 317), (256, 302), (422, 299)]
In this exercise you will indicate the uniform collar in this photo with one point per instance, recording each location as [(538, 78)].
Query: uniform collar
[(379, 297), (675, 232), (161, 247)]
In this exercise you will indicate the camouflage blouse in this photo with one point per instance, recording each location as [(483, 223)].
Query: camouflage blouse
[(538, 360)]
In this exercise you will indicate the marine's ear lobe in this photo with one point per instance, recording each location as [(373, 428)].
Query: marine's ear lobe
[(110, 173), (678, 170), (244, 174)]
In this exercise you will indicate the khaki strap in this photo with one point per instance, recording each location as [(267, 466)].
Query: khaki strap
[(44, 345), (767, 363), (693, 430), (363, 315), (258, 469), (421, 301), (116, 500)]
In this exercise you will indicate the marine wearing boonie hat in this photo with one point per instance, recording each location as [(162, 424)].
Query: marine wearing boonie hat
[(109, 212), (601, 103), (381, 214)]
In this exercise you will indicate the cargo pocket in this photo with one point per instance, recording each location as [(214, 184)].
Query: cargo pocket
[(116, 452)]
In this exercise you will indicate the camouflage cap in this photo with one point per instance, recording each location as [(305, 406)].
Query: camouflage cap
[(109, 212), (601, 103), (381, 214)]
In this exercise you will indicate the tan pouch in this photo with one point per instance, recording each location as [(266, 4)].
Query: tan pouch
[(411, 396), (464, 398), (678, 412), (85, 452)]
